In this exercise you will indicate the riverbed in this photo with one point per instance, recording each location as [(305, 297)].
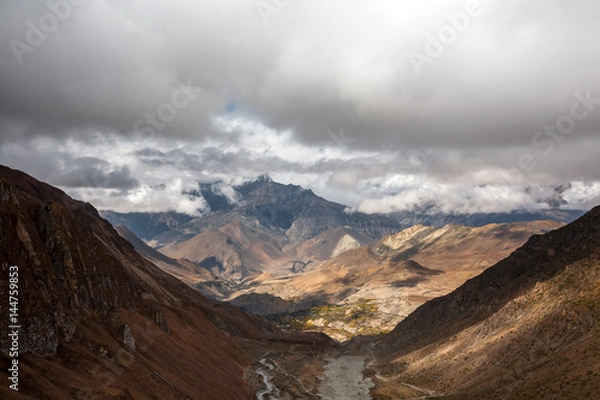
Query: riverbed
[(344, 379), (270, 392)]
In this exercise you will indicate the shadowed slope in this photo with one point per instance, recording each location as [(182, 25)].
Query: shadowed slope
[(528, 327), (100, 321)]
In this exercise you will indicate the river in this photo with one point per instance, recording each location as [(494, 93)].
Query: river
[(270, 392)]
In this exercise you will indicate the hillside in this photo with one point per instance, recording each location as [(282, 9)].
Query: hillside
[(235, 252), (528, 327), (100, 321), (384, 281), (182, 269), (231, 252)]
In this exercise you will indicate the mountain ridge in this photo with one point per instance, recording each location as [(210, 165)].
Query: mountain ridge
[(297, 214), (395, 274), (88, 301), (501, 281), (527, 327)]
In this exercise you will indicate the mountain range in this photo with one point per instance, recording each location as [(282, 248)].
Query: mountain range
[(97, 320), (265, 226), (507, 311), (391, 277), (250, 253), (294, 214)]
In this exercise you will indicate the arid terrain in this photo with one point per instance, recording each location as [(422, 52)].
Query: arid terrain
[(528, 327), (273, 256), (369, 289), (102, 321), (299, 200)]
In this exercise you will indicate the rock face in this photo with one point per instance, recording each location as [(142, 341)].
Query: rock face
[(526, 327), (293, 215), (99, 320)]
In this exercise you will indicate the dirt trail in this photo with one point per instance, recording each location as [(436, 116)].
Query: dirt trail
[(344, 379)]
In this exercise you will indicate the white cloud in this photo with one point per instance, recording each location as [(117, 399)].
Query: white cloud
[(151, 174), (144, 198)]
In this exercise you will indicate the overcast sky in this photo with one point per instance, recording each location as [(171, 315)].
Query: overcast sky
[(381, 105)]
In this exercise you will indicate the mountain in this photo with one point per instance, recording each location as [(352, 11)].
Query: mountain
[(329, 244), (231, 252), (294, 215), (527, 327), (182, 269), (236, 251), (147, 225), (97, 320), (387, 279), (267, 227)]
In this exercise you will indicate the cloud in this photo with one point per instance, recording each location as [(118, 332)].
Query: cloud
[(226, 190), (144, 198), (462, 199), (155, 175), (118, 99), (110, 64), (92, 172)]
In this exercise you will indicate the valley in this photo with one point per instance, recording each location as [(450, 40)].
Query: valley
[(299, 200), (343, 274), (507, 310)]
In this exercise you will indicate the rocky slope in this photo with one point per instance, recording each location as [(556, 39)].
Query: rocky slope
[(371, 288), (99, 321), (231, 252), (528, 327), (186, 271), (235, 251)]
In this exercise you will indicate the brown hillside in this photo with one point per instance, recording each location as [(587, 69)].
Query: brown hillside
[(395, 274), (98, 320), (525, 328)]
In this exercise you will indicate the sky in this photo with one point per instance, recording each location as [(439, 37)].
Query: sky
[(463, 106)]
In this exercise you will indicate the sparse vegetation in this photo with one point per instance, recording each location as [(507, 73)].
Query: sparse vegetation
[(340, 321)]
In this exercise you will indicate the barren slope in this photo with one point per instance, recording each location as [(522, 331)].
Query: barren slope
[(182, 269), (231, 252), (528, 327), (394, 275), (100, 321)]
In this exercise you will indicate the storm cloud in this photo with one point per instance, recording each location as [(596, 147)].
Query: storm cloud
[(381, 105)]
